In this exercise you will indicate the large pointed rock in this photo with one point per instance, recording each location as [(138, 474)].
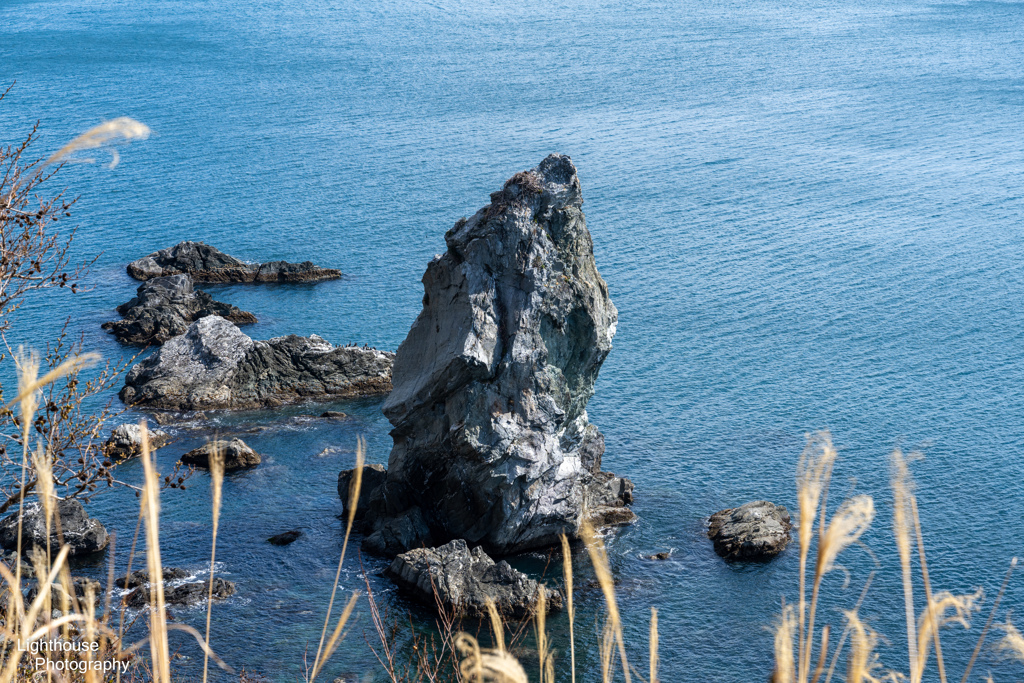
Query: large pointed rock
[(491, 438), (215, 365)]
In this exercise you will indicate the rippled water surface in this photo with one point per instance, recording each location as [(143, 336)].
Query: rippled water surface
[(808, 215)]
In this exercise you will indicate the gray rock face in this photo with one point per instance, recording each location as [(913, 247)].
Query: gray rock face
[(83, 534), (373, 478), (164, 307), (208, 264), (237, 455), (491, 438), (126, 441), (754, 531), (215, 365), (464, 579)]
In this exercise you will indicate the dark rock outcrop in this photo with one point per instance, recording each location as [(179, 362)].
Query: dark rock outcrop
[(208, 264), (237, 455), (126, 441), (333, 415), (164, 307), (491, 438), (464, 579), (755, 531), (607, 499), (140, 577), (285, 538), (83, 534), (215, 365), (373, 478), (183, 595)]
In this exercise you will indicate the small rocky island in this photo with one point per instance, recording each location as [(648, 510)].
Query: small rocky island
[(208, 264), (214, 365), (492, 383), (164, 307), (758, 530)]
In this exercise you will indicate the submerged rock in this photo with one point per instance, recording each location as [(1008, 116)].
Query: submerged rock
[(753, 531), (215, 365), (140, 577), (491, 438), (373, 478), (286, 538), (463, 580), (164, 307), (237, 455), (184, 595), (82, 534), (208, 264), (126, 441)]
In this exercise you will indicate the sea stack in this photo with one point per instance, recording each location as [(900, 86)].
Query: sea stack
[(491, 438)]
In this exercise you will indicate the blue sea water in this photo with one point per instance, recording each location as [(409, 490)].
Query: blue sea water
[(808, 215)]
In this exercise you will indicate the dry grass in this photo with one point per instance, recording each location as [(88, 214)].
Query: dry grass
[(844, 528), (105, 135)]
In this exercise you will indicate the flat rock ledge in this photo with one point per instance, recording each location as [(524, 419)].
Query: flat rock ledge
[(164, 307), (126, 441), (464, 579), (492, 443), (83, 534), (214, 365), (757, 530), (237, 455), (208, 264)]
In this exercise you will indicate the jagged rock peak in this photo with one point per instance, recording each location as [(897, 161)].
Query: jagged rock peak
[(209, 264), (491, 438), (214, 365)]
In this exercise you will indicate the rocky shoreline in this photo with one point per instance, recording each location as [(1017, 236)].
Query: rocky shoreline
[(493, 452)]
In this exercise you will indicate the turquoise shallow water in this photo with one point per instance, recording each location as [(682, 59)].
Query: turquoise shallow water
[(808, 215)]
